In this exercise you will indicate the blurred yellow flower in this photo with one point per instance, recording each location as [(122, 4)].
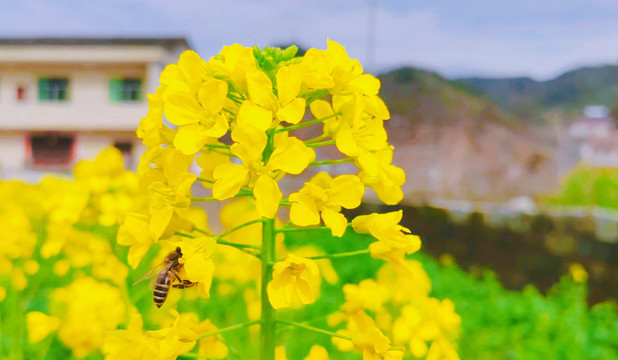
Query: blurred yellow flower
[(88, 309), (210, 346), (578, 273), (317, 353), (40, 325)]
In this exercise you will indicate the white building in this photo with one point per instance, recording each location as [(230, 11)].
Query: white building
[(63, 100)]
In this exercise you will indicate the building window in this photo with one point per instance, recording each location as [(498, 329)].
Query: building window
[(21, 93), (125, 89), (52, 150), (53, 89)]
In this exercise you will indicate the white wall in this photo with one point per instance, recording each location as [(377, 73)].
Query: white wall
[(88, 106), (13, 151)]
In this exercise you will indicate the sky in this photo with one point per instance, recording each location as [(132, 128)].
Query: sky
[(539, 39)]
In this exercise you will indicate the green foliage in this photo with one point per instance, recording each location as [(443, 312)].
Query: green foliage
[(502, 324), (498, 323), (587, 186)]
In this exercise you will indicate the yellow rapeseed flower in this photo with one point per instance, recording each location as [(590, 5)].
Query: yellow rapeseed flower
[(325, 196), (295, 281), (394, 240)]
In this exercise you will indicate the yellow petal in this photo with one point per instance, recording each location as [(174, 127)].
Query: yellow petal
[(345, 141), (260, 88), (369, 163), (321, 109), (251, 113), (190, 139), (366, 84), (267, 196), (230, 178), (346, 191), (293, 112), (277, 291), (303, 211), (288, 83), (335, 221), (252, 139), (291, 156), (182, 109), (212, 94)]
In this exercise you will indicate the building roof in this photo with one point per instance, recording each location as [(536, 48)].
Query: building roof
[(167, 42)]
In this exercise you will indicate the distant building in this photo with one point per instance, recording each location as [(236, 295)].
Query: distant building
[(63, 100), (596, 137)]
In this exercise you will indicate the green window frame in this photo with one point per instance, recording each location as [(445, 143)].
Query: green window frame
[(53, 89), (125, 89)]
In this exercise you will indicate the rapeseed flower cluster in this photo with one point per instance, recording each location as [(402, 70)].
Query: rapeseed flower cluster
[(236, 128)]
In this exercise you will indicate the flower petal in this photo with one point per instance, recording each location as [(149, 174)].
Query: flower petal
[(212, 94), (230, 178), (251, 113), (182, 109), (293, 112), (267, 196), (335, 221)]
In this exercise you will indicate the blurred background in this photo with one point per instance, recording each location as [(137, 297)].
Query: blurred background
[(503, 114)]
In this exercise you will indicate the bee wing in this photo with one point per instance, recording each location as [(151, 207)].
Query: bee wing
[(151, 273)]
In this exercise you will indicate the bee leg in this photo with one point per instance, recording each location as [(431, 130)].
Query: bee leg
[(184, 284)]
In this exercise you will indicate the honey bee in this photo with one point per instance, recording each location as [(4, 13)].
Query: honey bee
[(167, 273)]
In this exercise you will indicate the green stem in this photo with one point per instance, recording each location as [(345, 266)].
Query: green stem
[(316, 139), (305, 228), (319, 144), (314, 329), (285, 202), (240, 246), (210, 198), (204, 199), (217, 146), (306, 123), (339, 255), (331, 162), (267, 333), (236, 228), (229, 328)]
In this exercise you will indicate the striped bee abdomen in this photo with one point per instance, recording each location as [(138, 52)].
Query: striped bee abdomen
[(161, 289)]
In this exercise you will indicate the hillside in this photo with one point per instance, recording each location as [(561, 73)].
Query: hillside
[(457, 145), (570, 92)]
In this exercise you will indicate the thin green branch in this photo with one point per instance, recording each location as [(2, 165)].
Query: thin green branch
[(320, 144), (210, 198), (240, 246), (314, 329), (306, 123), (339, 255), (331, 162), (229, 328), (217, 146), (226, 233), (288, 227), (202, 231), (316, 139), (204, 199), (285, 202)]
